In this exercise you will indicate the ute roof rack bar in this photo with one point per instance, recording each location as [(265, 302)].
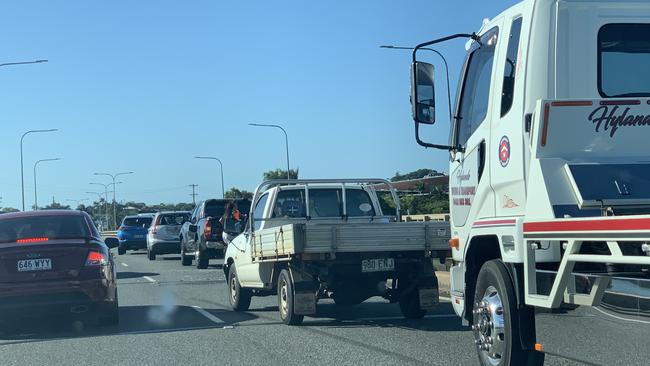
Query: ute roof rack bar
[(268, 184)]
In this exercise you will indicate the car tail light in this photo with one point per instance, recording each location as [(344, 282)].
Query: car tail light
[(123, 228), (207, 231), (96, 259), (31, 240)]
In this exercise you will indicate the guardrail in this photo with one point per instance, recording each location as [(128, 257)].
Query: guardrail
[(108, 234)]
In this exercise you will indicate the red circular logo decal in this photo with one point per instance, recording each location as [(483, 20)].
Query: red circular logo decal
[(504, 151)]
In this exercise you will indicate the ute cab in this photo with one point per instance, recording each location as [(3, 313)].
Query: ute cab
[(549, 179)]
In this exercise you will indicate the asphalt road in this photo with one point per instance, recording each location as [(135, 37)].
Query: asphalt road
[(174, 315)]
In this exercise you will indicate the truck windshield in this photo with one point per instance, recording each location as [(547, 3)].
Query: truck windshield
[(623, 59)]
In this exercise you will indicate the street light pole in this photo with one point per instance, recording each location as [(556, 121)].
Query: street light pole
[(223, 189), (444, 60), (113, 176), (23, 63), (35, 194), (286, 141), (22, 174), (99, 195)]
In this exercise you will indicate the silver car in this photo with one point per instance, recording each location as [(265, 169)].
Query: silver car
[(163, 235)]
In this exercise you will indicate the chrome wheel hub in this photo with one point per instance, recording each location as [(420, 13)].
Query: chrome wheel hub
[(233, 289), (284, 307), (489, 326)]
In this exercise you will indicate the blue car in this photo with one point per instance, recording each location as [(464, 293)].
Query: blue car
[(132, 233)]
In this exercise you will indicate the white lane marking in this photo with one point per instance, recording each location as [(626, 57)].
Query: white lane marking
[(209, 316), (621, 318), (124, 264), (149, 279), (432, 316)]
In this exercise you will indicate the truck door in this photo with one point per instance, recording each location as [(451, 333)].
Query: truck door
[(469, 179), (249, 271)]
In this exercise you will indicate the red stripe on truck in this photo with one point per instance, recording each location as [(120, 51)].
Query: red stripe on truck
[(589, 225)]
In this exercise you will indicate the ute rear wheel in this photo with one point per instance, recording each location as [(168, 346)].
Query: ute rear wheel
[(151, 255), (409, 304), (286, 300), (240, 298), (185, 259), (495, 315), (202, 259)]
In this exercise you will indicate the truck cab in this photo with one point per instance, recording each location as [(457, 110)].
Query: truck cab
[(548, 180)]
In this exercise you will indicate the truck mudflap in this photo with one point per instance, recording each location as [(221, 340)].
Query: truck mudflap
[(305, 293)]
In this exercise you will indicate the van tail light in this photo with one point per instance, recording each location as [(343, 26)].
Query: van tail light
[(207, 231), (96, 259)]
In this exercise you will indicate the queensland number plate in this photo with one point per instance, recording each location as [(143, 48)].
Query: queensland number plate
[(377, 265), (41, 264)]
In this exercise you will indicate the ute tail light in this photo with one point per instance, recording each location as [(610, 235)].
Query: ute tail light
[(207, 231), (95, 259)]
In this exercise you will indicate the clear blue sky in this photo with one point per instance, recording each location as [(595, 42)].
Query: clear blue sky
[(146, 85)]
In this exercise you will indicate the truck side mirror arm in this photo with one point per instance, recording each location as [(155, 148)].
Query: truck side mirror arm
[(427, 145)]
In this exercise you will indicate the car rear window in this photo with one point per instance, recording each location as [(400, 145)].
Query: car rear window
[(50, 227), (323, 202), (144, 222), (173, 219)]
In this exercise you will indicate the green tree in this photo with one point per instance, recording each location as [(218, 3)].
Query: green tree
[(233, 193), (9, 209), (420, 173), (281, 174), (56, 206)]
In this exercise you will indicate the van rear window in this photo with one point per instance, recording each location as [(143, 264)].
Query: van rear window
[(623, 59)]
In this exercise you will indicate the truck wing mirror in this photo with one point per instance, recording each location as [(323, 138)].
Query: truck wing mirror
[(423, 101)]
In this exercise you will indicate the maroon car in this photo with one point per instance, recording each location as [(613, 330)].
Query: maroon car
[(55, 260)]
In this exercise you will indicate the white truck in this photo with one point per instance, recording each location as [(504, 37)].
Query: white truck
[(310, 239), (550, 181)]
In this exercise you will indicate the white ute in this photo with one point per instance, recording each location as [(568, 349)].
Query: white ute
[(311, 239), (550, 181)]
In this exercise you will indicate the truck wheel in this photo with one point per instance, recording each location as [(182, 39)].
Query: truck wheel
[(285, 300), (121, 250), (185, 259), (409, 304), (202, 259), (496, 329), (240, 298)]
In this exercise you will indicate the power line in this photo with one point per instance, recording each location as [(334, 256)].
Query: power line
[(193, 194)]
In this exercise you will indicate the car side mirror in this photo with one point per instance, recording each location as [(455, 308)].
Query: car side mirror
[(112, 243), (193, 228), (423, 101)]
